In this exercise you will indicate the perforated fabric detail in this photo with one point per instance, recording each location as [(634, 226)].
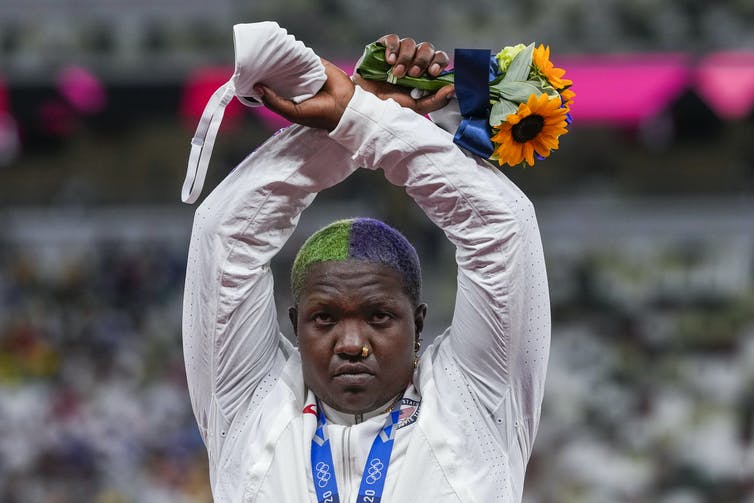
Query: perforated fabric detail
[(263, 390), (536, 340), (196, 350), (484, 444)]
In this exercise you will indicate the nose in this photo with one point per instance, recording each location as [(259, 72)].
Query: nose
[(350, 340)]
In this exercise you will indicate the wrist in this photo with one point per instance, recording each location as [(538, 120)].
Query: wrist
[(359, 120), (340, 106)]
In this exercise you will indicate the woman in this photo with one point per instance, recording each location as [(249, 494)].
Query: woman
[(352, 413)]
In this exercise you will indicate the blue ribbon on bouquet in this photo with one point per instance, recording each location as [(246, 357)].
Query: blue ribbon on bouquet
[(474, 70)]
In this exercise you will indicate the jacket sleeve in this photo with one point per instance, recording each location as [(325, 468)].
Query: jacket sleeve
[(500, 331), (232, 343)]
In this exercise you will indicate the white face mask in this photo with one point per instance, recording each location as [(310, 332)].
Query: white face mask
[(264, 53)]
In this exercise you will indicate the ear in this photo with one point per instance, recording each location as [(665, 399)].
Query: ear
[(419, 314), (293, 316)]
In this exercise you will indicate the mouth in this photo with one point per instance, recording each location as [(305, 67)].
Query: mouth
[(353, 374), (353, 381), (352, 369)]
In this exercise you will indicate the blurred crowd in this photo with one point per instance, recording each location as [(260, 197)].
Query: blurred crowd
[(650, 394), (93, 401), (161, 39)]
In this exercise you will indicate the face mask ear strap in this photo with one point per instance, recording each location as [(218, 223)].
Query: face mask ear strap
[(262, 51), (203, 142)]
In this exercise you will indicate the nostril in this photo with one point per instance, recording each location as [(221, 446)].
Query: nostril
[(350, 343), (350, 358), (350, 351)]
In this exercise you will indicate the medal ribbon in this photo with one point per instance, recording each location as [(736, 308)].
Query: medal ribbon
[(375, 468), (474, 70)]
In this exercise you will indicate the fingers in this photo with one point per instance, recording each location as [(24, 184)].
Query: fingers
[(439, 62), (392, 44), (315, 112), (422, 58), (405, 57), (277, 104), (410, 58), (323, 110), (425, 105)]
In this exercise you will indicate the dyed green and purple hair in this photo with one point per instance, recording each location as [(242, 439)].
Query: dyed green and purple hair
[(364, 239)]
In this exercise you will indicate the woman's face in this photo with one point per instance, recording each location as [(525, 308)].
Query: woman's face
[(344, 307)]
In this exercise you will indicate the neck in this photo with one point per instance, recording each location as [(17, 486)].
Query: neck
[(349, 419)]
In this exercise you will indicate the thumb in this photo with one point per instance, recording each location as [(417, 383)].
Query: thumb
[(435, 101), (276, 103)]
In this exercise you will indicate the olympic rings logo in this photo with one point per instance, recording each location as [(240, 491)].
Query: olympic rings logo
[(374, 471), (323, 473)]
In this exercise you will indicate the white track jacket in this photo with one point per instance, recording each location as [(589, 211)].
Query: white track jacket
[(469, 421)]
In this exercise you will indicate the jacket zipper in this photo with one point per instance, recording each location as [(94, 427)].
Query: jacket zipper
[(346, 463)]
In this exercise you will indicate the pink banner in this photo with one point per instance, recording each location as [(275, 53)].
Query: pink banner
[(726, 81), (624, 89), (614, 89), (199, 88)]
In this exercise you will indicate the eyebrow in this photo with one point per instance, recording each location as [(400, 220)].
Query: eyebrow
[(316, 299), (329, 286)]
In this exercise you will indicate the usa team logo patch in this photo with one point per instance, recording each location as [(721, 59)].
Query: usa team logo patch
[(409, 412)]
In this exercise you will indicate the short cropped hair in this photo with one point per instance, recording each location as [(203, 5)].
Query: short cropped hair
[(364, 239)]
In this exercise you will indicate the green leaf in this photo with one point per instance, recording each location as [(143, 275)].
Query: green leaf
[(372, 64), (500, 111), (521, 65), (517, 91), (426, 83)]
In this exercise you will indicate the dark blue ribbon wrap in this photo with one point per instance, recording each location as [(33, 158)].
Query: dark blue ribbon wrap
[(474, 69)]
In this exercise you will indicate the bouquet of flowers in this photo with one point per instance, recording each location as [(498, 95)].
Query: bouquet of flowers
[(514, 105)]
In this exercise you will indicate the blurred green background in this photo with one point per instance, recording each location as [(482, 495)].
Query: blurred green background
[(648, 229)]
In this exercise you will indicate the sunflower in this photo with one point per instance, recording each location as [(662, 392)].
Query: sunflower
[(541, 60), (535, 127), (567, 96)]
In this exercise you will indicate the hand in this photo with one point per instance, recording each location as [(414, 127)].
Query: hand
[(410, 58), (323, 110)]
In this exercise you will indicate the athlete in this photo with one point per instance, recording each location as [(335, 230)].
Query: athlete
[(352, 412)]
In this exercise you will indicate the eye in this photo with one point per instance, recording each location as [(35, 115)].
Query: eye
[(323, 319), (380, 318)]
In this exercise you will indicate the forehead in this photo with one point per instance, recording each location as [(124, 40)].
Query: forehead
[(352, 278)]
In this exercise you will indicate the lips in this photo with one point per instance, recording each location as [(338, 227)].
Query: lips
[(352, 369), (354, 376), (353, 382)]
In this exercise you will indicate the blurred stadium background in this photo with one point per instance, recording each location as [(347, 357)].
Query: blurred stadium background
[(646, 213)]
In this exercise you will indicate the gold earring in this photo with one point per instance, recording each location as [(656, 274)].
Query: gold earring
[(417, 347)]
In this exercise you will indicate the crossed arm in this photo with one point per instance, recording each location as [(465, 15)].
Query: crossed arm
[(325, 110)]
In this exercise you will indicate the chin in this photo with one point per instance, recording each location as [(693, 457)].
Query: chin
[(354, 403)]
